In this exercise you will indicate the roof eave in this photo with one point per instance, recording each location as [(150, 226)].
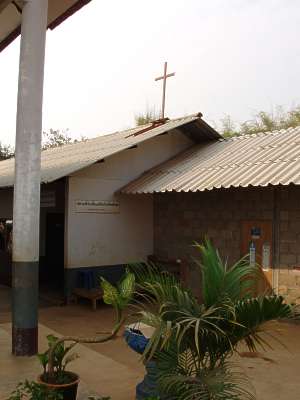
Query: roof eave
[(52, 25), (199, 131)]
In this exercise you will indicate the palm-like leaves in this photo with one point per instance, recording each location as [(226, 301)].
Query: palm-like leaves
[(206, 334), (182, 376), (219, 282)]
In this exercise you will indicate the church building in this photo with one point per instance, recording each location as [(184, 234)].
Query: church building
[(156, 189)]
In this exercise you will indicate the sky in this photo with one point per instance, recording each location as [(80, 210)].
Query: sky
[(231, 57)]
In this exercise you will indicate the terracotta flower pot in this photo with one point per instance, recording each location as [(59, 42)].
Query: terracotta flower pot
[(68, 390)]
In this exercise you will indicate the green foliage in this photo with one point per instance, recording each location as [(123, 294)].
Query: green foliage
[(110, 292), (181, 375), (53, 138), (193, 341), (221, 283), (60, 360), (34, 391), (6, 152), (57, 138), (153, 398), (228, 127), (146, 118), (262, 122), (121, 295)]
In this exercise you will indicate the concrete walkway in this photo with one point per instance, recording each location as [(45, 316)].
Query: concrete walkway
[(99, 374), (112, 369)]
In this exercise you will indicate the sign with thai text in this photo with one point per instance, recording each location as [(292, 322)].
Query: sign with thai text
[(97, 206)]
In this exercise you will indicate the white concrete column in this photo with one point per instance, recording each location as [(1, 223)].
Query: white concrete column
[(26, 211)]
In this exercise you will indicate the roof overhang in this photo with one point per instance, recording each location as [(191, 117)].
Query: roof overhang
[(65, 160), (258, 160), (200, 131), (11, 14)]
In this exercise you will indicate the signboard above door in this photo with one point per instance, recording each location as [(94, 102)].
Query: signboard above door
[(97, 206)]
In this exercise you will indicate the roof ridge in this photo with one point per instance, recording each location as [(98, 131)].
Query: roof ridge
[(89, 139), (254, 135), (69, 158), (125, 131)]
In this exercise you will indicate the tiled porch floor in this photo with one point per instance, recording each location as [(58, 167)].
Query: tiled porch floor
[(112, 369), (99, 374)]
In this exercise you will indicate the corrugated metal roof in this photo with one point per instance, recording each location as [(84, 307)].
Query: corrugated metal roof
[(63, 161), (253, 160), (11, 12)]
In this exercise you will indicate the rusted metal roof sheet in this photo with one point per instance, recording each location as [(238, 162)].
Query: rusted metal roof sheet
[(11, 11), (252, 160), (65, 160)]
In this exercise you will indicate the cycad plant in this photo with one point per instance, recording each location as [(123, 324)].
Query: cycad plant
[(193, 341)]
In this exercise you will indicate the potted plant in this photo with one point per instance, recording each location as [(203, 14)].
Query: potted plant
[(60, 380), (55, 359), (55, 379), (193, 341)]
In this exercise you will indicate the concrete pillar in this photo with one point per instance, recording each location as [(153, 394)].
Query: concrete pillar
[(26, 213)]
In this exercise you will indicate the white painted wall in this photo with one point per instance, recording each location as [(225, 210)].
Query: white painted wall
[(110, 239)]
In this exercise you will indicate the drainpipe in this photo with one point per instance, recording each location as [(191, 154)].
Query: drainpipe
[(26, 211)]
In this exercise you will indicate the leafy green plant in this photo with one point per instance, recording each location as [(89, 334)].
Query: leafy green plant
[(192, 341), (61, 358), (262, 121), (119, 297), (56, 358), (147, 117), (153, 398), (34, 391)]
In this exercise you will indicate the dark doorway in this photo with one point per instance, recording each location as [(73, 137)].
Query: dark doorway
[(52, 270), (5, 251)]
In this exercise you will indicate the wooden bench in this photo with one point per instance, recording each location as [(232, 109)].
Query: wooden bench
[(91, 294)]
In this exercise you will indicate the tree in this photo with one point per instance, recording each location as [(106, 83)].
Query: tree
[(56, 138), (53, 138), (6, 152), (263, 121)]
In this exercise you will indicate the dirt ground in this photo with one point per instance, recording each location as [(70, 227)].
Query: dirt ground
[(273, 379)]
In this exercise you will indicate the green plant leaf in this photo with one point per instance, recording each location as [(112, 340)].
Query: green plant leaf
[(110, 293), (193, 341), (127, 286), (43, 358)]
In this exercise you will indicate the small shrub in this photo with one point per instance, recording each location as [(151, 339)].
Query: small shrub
[(34, 391)]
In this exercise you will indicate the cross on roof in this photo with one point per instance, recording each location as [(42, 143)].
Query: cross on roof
[(164, 78)]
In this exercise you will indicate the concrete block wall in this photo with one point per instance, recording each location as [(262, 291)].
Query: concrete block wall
[(288, 278), (180, 219)]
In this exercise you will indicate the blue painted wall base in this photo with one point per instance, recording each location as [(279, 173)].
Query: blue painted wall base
[(74, 279)]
